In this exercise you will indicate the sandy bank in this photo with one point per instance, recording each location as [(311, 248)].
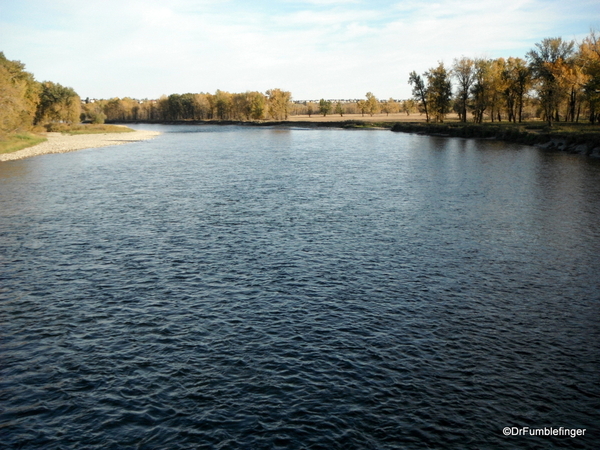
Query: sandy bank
[(62, 143)]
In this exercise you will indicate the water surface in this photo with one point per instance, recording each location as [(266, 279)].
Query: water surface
[(233, 287)]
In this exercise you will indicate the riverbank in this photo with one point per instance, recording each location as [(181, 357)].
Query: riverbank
[(583, 139), (63, 143)]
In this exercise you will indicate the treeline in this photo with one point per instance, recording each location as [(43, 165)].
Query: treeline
[(558, 79), (25, 102), (274, 104)]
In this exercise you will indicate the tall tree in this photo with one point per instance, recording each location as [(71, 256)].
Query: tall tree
[(439, 91), (372, 106), (480, 91), (279, 103), (518, 81), (545, 61), (589, 57), (420, 91), (464, 72), (19, 96), (324, 107), (58, 104)]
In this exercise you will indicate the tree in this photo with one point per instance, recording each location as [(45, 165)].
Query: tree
[(223, 104), (339, 109), (257, 105), (498, 86), (324, 107), (439, 91), (464, 72), (545, 62), (480, 91), (420, 91), (19, 96), (589, 61), (409, 106), (58, 104), (278, 103), (362, 106), (518, 81), (372, 106)]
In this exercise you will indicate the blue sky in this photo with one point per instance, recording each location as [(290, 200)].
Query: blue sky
[(313, 48)]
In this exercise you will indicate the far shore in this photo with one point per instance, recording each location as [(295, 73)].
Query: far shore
[(63, 143)]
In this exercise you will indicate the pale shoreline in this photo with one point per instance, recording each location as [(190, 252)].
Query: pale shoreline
[(63, 143)]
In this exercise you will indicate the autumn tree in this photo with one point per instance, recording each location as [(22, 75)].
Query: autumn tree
[(464, 73), (409, 106), (362, 106), (545, 62), (480, 91), (517, 77), (57, 104), (391, 106), (372, 104), (19, 96), (278, 103), (257, 104), (589, 61)]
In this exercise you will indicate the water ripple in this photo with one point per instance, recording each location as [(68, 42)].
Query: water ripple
[(239, 288)]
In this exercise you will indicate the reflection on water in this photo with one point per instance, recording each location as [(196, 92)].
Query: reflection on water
[(232, 287)]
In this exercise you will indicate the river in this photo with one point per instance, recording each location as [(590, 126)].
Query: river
[(236, 287)]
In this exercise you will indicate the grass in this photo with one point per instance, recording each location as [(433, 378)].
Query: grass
[(86, 128), (16, 142)]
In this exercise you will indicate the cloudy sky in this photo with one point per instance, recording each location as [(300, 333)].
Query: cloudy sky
[(313, 48)]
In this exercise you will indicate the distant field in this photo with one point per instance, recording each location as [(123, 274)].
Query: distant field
[(398, 117)]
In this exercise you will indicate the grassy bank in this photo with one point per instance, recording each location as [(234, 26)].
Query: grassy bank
[(571, 137), (16, 142), (86, 128), (19, 141)]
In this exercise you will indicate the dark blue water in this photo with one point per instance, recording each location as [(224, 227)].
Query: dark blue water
[(232, 287)]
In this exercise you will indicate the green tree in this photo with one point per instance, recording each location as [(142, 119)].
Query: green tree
[(420, 91), (439, 91), (325, 107), (339, 109), (480, 91)]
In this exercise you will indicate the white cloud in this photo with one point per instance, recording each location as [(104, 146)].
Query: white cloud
[(320, 48)]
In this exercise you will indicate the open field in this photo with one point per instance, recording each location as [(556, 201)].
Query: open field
[(398, 117)]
